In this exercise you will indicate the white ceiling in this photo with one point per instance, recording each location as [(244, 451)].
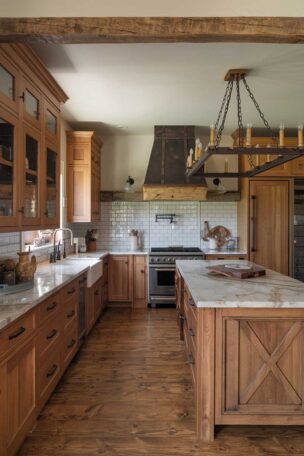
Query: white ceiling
[(141, 85)]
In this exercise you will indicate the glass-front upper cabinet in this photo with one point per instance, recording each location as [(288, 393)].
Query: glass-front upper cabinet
[(9, 84), (31, 105), (51, 211), (51, 122), (8, 172), (32, 187)]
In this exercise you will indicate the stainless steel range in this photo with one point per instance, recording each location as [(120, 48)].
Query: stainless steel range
[(162, 271)]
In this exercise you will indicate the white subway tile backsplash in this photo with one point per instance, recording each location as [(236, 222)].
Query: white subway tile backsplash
[(118, 217)]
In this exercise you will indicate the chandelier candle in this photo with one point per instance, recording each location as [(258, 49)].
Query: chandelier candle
[(300, 135), (248, 135), (212, 135), (281, 136)]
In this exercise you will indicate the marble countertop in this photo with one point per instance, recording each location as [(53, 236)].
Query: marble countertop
[(273, 290), (49, 278), (101, 254)]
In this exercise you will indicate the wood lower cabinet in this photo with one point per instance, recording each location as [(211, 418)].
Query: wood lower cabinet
[(246, 365), (179, 291), (94, 304), (83, 176), (128, 280), (264, 220), (20, 390), (35, 350), (120, 278), (140, 281)]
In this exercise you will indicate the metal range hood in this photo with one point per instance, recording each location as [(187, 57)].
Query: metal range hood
[(166, 174)]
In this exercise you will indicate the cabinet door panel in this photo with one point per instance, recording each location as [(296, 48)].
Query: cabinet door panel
[(20, 387), (269, 230), (32, 104), (51, 209), (9, 84), (119, 278), (79, 209), (140, 281), (32, 182), (9, 170)]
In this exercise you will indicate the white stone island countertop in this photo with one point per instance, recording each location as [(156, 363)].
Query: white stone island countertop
[(273, 290), (224, 252), (49, 278)]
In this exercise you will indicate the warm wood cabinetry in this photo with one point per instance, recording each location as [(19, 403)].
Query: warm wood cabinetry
[(246, 364), (83, 175), (128, 279), (29, 141), (34, 352), (264, 220)]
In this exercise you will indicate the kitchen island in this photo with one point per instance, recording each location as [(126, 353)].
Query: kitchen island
[(244, 342)]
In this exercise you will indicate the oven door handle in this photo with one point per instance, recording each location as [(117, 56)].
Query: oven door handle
[(165, 269)]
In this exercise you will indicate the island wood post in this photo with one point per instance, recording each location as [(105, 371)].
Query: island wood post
[(205, 375)]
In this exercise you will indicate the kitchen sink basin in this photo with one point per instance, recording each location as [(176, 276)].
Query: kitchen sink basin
[(95, 270)]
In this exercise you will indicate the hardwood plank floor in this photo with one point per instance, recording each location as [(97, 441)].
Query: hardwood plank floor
[(129, 393)]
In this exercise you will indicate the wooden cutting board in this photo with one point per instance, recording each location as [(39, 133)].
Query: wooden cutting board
[(239, 271)]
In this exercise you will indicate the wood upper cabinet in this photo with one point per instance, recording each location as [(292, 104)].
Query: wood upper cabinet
[(120, 278), (263, 222), (292, 168), (140, 281), (83, 176), (30, 131)]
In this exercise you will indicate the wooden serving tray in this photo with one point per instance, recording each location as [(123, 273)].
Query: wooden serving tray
[(236, 270)]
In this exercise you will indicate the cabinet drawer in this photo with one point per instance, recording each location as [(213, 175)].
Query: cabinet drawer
[(49, 373), (69, 292), (48, 335), (49, 307), (17, 332), (70, 313), (69, 345)]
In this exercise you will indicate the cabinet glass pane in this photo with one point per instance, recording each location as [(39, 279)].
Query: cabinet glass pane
[(31, 104), (31, 177), (51, 122), (7, 83), (6, 168), (51, 181)]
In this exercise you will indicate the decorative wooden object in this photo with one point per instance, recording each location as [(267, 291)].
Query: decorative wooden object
[(223, 270), (83, 176), (177, 193), (152, 29)]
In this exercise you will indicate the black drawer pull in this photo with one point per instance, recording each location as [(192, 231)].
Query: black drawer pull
[(52, 371), (71, 343), (71, 314), (17, 333), (191, 332), (190, 359), (71, 291), (181, 317), (81, 281), (51, 306), (96, 292), (52, 334)]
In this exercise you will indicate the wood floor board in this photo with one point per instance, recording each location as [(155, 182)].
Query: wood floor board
[(129, 393)]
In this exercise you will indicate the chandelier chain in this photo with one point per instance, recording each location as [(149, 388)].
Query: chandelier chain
[(222, 106), (220, 130), (240, 123), (261, 114)]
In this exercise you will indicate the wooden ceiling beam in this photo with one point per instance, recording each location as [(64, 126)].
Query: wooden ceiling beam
[(152, 29)]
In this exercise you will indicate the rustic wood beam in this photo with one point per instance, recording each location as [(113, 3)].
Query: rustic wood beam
[(152, 29)]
